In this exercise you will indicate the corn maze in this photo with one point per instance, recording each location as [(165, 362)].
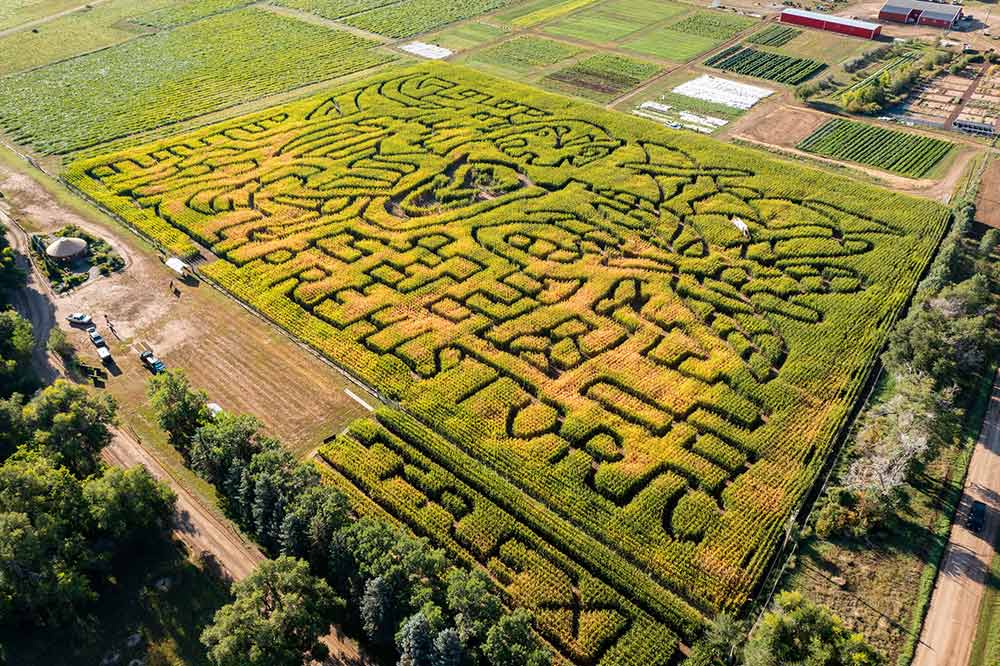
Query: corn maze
[(604, 391)]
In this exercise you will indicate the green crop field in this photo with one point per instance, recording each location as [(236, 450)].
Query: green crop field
[(613, 20), (173, 75), (411, 17), (714, 25), (602, 76), (765, 65), (900, 152), (468, 35), (550, 12), (527, 52), (187, 12), (776, 35), (606, 394), (79, 32), (16, 12), (333, 9), (671, 44)]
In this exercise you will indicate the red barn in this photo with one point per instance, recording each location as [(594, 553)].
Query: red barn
[(831, 23), (920, 12)]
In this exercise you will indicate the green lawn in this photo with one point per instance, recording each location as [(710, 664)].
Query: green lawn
[(671, 44)]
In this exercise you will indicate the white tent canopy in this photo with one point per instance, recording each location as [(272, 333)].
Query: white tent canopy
[(64, 248), (178, 266)]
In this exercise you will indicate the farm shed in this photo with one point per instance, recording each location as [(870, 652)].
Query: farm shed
[(830, 23), (920, 12)]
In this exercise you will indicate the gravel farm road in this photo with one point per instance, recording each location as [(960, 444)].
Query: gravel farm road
[(950, 626)]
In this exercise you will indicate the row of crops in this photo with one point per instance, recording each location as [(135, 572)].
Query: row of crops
[(765, 65), (410, 17), (907, 154), (173, 75), (607, 395), (604, 75), (715, 25), (774, 36)]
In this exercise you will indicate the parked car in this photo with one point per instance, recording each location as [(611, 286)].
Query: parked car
[(154, 364), (96, 337), (79, 319), (977, 517), (105, 354)]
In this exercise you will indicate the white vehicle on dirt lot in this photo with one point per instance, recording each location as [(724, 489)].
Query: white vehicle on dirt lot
[(79, 318)]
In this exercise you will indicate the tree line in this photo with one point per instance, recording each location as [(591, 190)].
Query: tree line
[(376, 579)]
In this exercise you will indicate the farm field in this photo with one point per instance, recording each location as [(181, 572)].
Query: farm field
[(22, 11), (146, 83), (526, 53), (608, 396), (907, 154), (704, 104), (79, 32), (765, 65), (775, 36), (411, 17), (612, 20), (468, 35), (602, 77)]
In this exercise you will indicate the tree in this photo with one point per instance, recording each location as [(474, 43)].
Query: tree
[(473, 605), (71, 424), (128, 505), (269, 486), (799, 632), (312, 520), (947, 337), (44, 554), (408, 569), (415, 642), (180, 409), (13, 432), (11, 277), (899, 433), (16, 344), (448, 648), (511, 642), (222, 448), (276, 619)]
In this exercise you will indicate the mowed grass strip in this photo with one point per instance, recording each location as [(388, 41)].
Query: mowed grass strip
[(910, 155), (171, 76)]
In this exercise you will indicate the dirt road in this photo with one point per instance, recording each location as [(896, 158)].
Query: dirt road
[(950, 626), (195, 524)]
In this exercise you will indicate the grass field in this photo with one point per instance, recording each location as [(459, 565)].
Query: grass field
[(986, 648), (608, 396), (911, 155), (148, 82), (333, 9)]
